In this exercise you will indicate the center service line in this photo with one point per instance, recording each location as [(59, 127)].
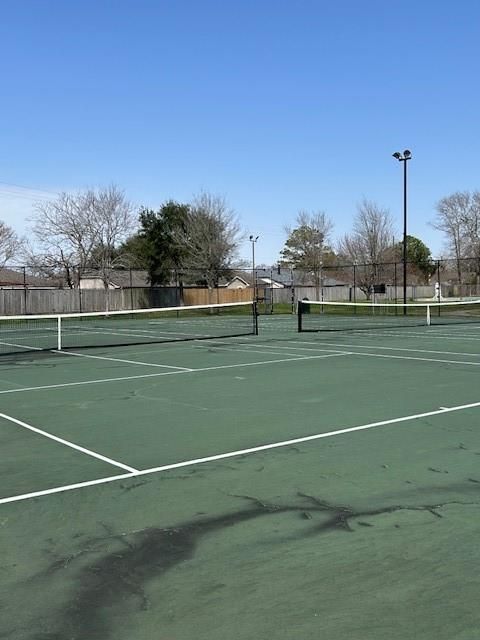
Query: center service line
[(72, 445)]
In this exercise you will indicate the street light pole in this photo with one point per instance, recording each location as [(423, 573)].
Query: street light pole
[(253, 240), (405, 157)]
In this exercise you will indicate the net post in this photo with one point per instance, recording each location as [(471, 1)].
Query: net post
[(428, 316), (59, 333), (299, 315)]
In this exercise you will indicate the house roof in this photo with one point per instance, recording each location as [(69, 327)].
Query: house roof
[(122, 278), (246, 281), (16, 278), (262, 278)]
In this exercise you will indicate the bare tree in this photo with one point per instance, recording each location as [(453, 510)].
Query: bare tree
[(471, 232), (63, 231), (111, 221), (52, 265), (10, 244), (306, 244), (452, 213), (211, 238), (368, 243), (79, 231)]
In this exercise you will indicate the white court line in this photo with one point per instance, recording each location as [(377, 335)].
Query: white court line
[(21, 346), (239, 452), (67, 443), (429, 334), (223, 347), (365, 346), (374, 346), (334, 354), (378, 355), (393, 357), (146, 364), (145, 334)]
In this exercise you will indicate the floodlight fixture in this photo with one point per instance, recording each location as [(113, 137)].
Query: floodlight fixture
[(401, 157)]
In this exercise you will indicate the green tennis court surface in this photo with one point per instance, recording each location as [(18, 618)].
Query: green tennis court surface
[(331, 488)]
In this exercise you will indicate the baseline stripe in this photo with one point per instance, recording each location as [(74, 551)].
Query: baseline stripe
[(240, 452)]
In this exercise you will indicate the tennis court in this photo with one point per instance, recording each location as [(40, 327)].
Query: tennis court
[(280, 485)]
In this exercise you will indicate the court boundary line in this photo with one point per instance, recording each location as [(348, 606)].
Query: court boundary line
[(407, 332), (255, 349), (391, 356), (371, 355), (20, 346), (373, 346), (424, 336), (135, 362), (239, 452), (345, 347), (67, 443), (335, 353)]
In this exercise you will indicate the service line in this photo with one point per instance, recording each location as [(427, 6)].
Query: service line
[(332, 354), (240, 452)]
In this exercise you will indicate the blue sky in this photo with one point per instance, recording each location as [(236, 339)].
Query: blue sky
[(277, 105)]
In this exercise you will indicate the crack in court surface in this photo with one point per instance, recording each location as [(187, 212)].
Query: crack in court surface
[(116, 582)]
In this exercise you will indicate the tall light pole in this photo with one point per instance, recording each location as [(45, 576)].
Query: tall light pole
[(404, 157), (253, 240)]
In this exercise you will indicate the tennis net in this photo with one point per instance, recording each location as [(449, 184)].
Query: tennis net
[(20, 334), (343, 316)]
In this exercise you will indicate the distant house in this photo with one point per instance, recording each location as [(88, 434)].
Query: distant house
[(116, 280), (245, 280), (268, 282), (238, 282), (12, 279)]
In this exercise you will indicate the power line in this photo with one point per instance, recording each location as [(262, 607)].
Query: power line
[(9, 195), (19, 190)]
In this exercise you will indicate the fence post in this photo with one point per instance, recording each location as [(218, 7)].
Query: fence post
[(395, 283), (78, 279), (131, 288), (355, 285), (25, 301)]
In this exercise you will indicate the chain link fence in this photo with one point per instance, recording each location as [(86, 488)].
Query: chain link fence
[(38, 290)]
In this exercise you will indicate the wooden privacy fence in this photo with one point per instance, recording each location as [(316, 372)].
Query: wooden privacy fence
[(216, 296), (38, 301), (45, 301)]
